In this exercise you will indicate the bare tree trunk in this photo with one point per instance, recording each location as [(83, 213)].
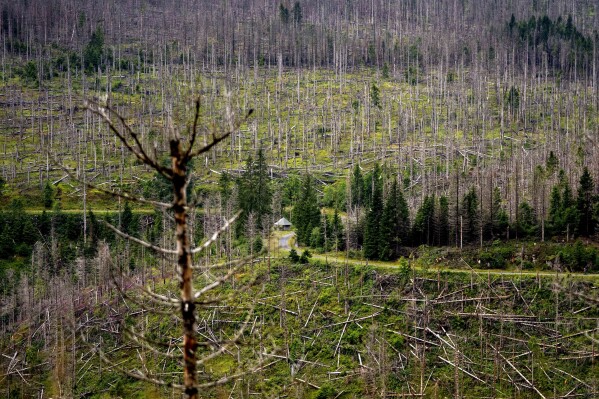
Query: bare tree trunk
[(184, 262)]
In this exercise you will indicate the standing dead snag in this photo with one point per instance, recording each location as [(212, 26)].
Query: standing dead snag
[(184, 261), (177, 174)]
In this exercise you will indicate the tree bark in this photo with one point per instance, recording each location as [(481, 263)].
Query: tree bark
[(184, 262)]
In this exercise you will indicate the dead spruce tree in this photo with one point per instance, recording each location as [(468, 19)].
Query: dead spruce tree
[(182, 152)]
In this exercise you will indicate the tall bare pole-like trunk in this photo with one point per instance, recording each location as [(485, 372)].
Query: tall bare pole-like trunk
[(184, 262)]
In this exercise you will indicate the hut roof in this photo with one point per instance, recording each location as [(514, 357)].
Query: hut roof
[(283, 222)]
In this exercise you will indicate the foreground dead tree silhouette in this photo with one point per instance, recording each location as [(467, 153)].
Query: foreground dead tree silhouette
[(181, 153)]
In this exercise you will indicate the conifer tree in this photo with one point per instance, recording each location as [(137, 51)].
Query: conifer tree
[(262, 189), (403, 214), (499, 218), (127, 219), (584, 204), (48, 195), (555, 210), (423, 228), (371, 182), (470, 216), (297, 13), (389, 229), (291, 190), (375, 96), (357, 188), (293, 256), (442, 224), (94, 50), (551, 163), (306, 214), (527, 221), (254, 192), (563, 213), (283, 13), (225, 186), (337, 235), (372, 235)]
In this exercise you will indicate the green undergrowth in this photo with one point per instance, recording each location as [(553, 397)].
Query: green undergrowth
[(578, 255)]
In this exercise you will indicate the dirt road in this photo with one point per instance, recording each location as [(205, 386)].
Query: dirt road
[(284, 241)]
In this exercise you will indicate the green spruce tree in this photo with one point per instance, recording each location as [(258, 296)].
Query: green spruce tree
[(470, 215), (389, 229), (306, 215), (403, 215), (424, 222), (225, 186), (93, 52), (551, 164), (499, 219), (375, 96), (563, 213), (554, 219), (297, 13), (584, 204), (127, 226), (357, 187), (372, 234), (254, 193), (527, 220), (283, 14), (442, 225), (337, 235), (48, 195)]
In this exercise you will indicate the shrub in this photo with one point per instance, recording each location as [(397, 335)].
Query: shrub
[(293, 256), (496, 257), (305, 256), (579, 258), (257, 245), (325, 392)]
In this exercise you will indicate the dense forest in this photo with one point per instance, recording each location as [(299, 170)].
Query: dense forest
[(437, 160)]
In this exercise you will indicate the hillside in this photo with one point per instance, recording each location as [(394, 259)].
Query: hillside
[(437, 160), (353, 332)]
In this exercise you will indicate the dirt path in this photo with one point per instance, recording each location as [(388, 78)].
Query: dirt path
[(284, 241), (466, 269)]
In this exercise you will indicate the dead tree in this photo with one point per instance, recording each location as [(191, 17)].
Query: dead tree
[(181, 153)]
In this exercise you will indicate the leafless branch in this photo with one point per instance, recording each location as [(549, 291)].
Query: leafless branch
[(194, 131), (137, 150), (156, 299), (140, 242), (519, 373), (233, 295), (136, 373), (218, 282), (143, 342), (112, 193), (215, 236), (224, 348), (217, 139)]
